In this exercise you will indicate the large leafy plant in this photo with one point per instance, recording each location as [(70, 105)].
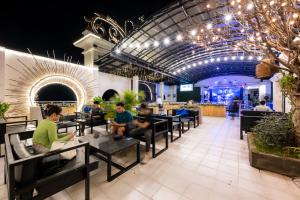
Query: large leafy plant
[(3, 108), (275, 131), (98, 99), (129, 98)]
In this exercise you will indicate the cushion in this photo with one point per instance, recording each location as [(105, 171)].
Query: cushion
[(182, 112)]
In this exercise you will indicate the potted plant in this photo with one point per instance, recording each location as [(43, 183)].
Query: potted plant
[(272, 145), (3, 109), (129, 98)]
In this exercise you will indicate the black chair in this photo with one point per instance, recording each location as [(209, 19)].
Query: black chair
[(159, 128), (174, 122), (250, 118), (14, 126), (93, 119), (22, 178)]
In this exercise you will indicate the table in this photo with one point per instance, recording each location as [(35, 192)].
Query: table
[(104, 147), (81, 123), (65, 125)]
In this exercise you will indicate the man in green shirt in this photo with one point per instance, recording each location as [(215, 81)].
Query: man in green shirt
[(46, 132), (122, 120)]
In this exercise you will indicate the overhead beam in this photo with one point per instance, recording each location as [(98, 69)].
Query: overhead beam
[(124, 57)]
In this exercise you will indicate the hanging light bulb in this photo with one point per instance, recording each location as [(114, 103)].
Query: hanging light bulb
[(167, 41), (193, 32), (209, 26), (218, 59), (208, 6), (184, 68), (228, 17), (295, 15), (200, 63), (206, 61), (178, 70), (233, 58), (146, 45), (189, 66), (174, 73), (250, 6), (259, 58), (179, 37), (212, 60), (124, 45)]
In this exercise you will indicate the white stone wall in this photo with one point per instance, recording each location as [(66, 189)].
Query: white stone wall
[(2, 74), (14, 64)]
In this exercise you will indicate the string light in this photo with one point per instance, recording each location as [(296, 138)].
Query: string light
[(179, 37), (209, 26), (167, 41), (193, 32), (228, 17)]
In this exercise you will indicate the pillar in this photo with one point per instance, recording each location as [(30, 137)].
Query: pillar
[(2, 72), (280, 103), (161, 90), (135, 85)]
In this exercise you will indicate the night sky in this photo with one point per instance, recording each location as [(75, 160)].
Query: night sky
[(55, 25)]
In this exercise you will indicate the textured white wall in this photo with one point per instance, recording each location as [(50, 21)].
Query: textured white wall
[(14, 68), (2, 74)]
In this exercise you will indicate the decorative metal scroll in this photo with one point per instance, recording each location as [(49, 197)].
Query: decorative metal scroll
[(106, 28)]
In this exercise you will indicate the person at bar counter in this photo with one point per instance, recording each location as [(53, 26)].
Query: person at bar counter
[(46, 132), (143, 129), (263, 107), (122, 122)]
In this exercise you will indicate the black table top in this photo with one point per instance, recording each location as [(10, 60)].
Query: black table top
[(106, 143)]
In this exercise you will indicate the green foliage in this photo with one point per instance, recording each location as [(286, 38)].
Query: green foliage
[(98, 99), (3, 108), (288, 84), (129, 98), (275, 131)]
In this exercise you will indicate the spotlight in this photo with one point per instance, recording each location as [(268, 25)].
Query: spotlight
[(118, 51), (167, 41), (194, 64), (250, 57), (156, 43), (241, 57)]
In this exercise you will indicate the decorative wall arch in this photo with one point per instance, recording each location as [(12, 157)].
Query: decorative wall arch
[(73, 84), (29, 73), (108, 94)]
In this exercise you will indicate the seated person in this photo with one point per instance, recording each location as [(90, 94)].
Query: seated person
[(96, 109), (46, 132), (144, 129), (121, 124), (262, 107)]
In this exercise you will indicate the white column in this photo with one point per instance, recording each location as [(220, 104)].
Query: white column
[(135, 84), (161, 90), (278, 96), (2, 72)]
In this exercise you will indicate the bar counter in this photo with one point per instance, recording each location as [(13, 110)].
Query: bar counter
[(214, 110)]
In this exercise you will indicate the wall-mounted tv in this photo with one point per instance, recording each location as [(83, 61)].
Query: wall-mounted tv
[(186, 87)]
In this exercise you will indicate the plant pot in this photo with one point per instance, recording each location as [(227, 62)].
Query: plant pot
[(265, 69), (270, 162)]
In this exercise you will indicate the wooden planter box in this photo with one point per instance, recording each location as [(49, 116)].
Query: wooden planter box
[(282, 165)]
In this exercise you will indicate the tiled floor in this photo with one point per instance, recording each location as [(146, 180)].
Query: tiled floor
[(209, 162)]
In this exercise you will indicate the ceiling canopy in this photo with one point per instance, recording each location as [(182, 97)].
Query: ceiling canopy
[(176, 44)]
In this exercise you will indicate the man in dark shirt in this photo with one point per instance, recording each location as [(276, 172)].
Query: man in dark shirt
[(122, 120), (143, 129)]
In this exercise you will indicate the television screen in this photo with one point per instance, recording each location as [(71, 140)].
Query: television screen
[(186, 87)]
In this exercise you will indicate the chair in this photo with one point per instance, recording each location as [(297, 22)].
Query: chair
[(159, 128), (249, 119), (92, 119), (14, 126), (22, 178), (173, 123)]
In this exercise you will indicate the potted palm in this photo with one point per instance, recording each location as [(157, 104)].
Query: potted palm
[(3, 109)]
